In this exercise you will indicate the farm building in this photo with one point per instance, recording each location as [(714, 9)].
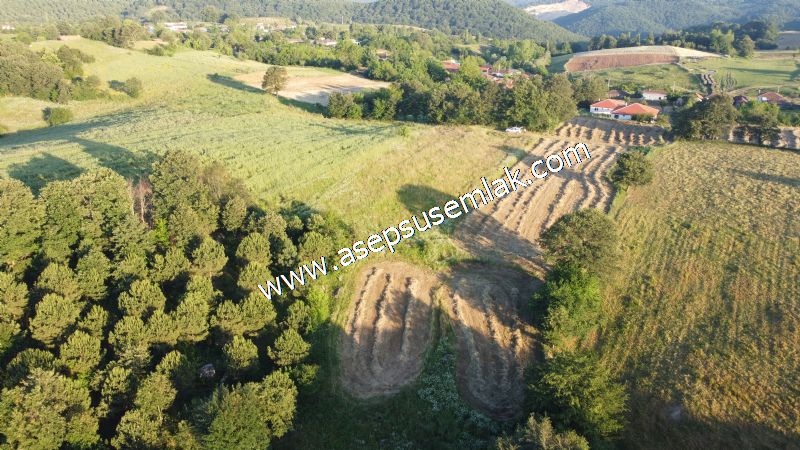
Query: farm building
[(618, 94), (606, 106), (7, 27), (634, 109), (325, 42), (740, 100), (177, 27), (771, 97), (653, 95), (451, 65)]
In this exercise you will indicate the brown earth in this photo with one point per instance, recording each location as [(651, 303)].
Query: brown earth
[(508, 228), (316, 89), (494, 335), (388, 329), (599, 62)]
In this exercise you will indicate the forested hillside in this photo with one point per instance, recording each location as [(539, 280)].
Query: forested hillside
[(659, 16), (492, 18)]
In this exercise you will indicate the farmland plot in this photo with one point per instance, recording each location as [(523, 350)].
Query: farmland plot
[(508, 228), (388, 329)]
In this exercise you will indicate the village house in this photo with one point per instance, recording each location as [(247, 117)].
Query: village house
[(451, 65), (654, 95), (771, 97), (740, 100), (634, 110), (177, 27), (618, 109), (605, 107), (325, 42), (7, 27)]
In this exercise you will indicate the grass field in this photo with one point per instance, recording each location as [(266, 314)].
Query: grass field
[(660, 76), (760, 71), (707, 313)]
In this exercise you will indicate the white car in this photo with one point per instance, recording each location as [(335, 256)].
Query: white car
[(515, 130)]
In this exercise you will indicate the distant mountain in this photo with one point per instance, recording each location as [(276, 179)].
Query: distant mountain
[(40, 11), (659, 16), (492, 18), (489, 17)]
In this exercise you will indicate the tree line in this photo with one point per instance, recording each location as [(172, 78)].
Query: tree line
[(723, 38), (130, 316)]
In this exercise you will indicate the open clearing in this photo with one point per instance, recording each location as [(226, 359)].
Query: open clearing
[(705, 299), (317, 89), (632, 56)]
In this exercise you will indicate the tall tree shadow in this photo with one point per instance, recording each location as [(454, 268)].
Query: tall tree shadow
[(119, 159), (42, 169), (229, 82)]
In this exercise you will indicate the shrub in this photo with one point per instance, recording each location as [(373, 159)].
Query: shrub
[(57, 116), (133, 87), (632, 169), (586, 238), (274, 79)]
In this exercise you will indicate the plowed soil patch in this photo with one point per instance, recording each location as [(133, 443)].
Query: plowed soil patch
[(388, 329), (495, 340)]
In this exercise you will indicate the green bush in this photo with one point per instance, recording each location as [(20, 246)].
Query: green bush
[(57, 116), (133, 87), (632, 169)]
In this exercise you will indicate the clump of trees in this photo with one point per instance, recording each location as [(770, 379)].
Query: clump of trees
[(131, 306), (632, 169), (709, 119), (113, 31), (572, 386), (537, 103)]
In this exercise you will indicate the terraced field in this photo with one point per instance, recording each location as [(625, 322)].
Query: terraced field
[(508, 228)]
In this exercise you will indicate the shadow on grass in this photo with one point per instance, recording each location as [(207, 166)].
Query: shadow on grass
[(791, 182), (233, 84), (315, 108), (42, 169)]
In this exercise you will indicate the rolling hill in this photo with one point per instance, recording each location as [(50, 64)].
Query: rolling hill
[(659, 16), (492, 18)]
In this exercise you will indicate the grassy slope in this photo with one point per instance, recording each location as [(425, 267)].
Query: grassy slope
[(280, 151), (757, 71), (708, 317)]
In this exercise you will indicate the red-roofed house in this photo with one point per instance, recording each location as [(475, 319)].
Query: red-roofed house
[(634, 109), (605, 106), (451, 65), (771, 97)]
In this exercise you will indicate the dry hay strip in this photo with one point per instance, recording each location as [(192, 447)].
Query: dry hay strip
[(509, 227), (494, 338), (605, 131), (390, 328)]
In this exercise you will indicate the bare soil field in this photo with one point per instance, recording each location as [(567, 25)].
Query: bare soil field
[(316, 89), (388, 329), (552, 11), (495, 338), (508, 228), (634, 56)]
